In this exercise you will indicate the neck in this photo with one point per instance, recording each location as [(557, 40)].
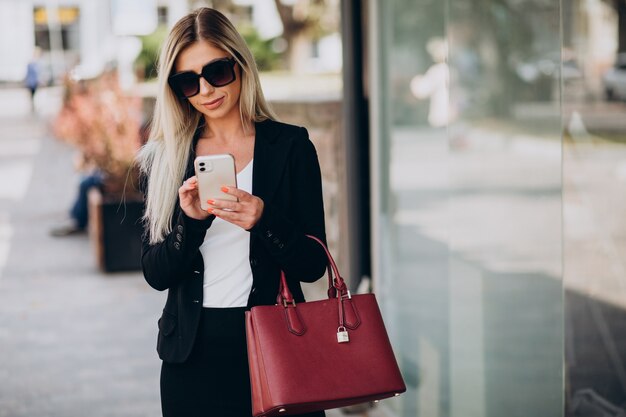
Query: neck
[(225, 129)]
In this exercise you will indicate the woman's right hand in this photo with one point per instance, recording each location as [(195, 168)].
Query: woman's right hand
[(190, 200)]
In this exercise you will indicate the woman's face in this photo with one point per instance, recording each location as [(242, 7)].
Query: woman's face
[(212, 102)]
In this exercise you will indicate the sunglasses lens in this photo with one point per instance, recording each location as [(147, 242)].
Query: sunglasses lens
[(219, 73), (187, 84)]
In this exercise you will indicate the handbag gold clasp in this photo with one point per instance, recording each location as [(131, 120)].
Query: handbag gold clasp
[(287, 303)]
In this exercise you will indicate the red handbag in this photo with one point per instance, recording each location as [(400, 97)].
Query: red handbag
[(321, 354)]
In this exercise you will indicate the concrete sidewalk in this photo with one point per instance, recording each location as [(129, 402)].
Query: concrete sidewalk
[(74, 342)]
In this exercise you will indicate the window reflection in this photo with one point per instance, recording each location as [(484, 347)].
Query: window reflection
[(594, 161), (501, 217), (470, 269)]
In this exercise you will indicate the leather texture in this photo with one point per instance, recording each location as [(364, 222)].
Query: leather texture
[(297, 364)]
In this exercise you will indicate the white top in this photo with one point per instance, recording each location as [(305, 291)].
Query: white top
[(226, 253)]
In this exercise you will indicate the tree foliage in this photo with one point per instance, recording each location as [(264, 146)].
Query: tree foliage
[(149, 55)]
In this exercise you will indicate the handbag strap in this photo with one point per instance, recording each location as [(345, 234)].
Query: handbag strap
[(336, 284), (348, 316)]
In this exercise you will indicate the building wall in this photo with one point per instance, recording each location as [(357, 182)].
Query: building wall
[(16, 40), (98, 44)]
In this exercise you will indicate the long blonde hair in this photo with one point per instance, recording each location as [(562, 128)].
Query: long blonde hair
[(163, 160)]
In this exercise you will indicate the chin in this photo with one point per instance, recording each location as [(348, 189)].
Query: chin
[(218, 113)]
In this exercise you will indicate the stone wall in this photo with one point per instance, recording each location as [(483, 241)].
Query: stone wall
[(323, 119)]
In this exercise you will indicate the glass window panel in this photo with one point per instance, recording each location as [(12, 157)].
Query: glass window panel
[(594, 203), (467, 157)]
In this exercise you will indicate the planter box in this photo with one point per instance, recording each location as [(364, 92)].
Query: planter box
[(115, 231)]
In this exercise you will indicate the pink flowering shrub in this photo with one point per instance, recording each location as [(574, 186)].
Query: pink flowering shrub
[(103, 123)]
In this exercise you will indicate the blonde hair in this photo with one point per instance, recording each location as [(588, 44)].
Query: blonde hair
[(163, 160)]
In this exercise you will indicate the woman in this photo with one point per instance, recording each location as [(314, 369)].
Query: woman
[(218, 263)]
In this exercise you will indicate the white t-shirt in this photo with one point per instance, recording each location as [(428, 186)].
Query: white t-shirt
[(226, 254)]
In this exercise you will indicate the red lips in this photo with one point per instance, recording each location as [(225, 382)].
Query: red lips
[(213, 104)]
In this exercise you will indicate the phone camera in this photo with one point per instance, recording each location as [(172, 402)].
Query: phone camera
[(201, 164), (202, 169)]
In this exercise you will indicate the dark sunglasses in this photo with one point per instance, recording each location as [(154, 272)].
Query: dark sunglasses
[(217, 73)]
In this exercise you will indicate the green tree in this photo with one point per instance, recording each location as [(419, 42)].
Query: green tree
[(266, 57), (147, 60)]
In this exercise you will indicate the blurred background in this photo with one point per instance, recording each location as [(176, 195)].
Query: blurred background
[(474, 164)]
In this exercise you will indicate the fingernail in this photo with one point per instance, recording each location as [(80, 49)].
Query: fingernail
[(209, 210), (211, 201), (225, 189)]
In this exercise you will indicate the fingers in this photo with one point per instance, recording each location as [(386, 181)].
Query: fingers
[(230, 216), (189, 184), (240, 194), (189, 201), (225, 204), (244, 213), (243, 220)]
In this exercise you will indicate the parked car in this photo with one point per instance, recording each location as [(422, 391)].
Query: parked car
[(615, 79)]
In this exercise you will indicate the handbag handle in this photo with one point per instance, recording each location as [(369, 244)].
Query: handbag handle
[(347, 311), (336, 284)]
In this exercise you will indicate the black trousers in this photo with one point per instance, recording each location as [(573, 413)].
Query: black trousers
[(215, 380)]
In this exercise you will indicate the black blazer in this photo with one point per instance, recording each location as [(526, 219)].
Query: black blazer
[(286, 175)]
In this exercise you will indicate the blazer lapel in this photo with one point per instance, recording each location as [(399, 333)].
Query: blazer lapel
[(270, 159)]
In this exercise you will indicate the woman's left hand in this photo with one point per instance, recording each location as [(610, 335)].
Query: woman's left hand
[(245, 213)]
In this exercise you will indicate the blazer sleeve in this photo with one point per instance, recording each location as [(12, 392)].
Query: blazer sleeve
[(283, 234), (164, 263)]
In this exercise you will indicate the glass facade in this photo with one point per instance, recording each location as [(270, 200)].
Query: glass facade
[(594, 203), (498, 178)]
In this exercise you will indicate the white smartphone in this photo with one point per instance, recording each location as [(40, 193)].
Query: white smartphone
[(213, 172)]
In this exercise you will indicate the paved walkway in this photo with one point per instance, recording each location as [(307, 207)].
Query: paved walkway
[(74, 341)]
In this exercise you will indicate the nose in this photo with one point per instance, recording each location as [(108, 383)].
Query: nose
[(205, 87)]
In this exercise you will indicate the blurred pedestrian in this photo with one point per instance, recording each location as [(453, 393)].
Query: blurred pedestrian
[(435, 84), (32, 79), (91, 177), (218, 263), (78, 218)]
